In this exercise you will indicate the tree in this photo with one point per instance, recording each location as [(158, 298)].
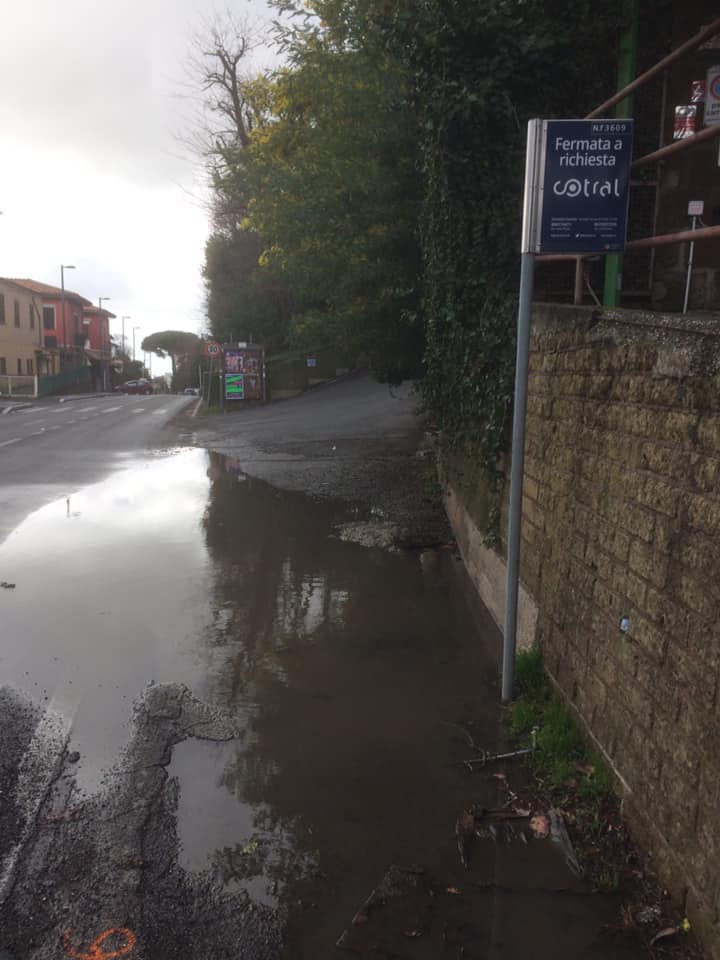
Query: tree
[(244, 301), (335, 188), (182, 347), (131, 369)]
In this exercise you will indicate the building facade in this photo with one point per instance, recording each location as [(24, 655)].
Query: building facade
[(20, 330), (98, 344), (63, 328)]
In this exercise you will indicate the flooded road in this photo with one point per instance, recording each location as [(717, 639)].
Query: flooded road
[(248, 720)]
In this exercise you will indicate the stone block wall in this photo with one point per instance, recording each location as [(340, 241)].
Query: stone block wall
[(621, 519)]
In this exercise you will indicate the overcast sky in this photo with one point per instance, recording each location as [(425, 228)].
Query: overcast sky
[(92, 168)]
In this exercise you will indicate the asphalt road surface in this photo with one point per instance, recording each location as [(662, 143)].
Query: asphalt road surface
[(54, 447), (235, 655)]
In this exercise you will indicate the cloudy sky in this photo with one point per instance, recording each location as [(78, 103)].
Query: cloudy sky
[(93, 171)]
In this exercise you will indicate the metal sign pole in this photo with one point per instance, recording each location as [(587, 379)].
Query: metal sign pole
[(688, 278), (522, 360), (577, 178)]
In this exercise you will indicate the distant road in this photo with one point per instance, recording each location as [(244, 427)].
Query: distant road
[(49, 449)]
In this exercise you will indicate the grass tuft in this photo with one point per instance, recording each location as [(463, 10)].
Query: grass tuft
[(561, 754)]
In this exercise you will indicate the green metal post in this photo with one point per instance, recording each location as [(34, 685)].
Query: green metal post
[(627, 68)]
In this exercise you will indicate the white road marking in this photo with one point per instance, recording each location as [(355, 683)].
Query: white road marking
[(55, 428), (86, 409), (37, 433), (158, 412), (112, 409), (70, 421), (6, 443), (138, 410)]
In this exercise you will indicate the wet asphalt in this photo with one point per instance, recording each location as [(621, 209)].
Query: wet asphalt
[(239, 662)]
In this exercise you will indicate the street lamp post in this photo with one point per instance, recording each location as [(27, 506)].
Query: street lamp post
[(134, 355), (122, 342), (63, 268)]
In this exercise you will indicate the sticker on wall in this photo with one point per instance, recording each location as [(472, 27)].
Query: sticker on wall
[(685, 122), (697, 91)]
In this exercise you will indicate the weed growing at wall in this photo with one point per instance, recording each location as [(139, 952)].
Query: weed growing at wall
[(562, 757)]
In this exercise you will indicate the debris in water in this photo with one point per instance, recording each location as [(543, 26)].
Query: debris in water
[(7, 586), (540, 826), (464, 831), (487, 757), (398, 883), (666, 932), (560, 835)]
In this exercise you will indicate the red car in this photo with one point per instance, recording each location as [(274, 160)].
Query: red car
[(135, 386)]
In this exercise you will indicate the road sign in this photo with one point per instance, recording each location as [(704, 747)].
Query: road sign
[(696, 208), (712, 97), (577, 195), (234, 386), (212, 349), (577, 179)]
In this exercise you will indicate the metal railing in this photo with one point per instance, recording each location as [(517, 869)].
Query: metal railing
[(18, 386), (77, 380), (710, 133)]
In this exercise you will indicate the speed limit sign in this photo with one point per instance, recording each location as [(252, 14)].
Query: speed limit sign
[(212, 349)]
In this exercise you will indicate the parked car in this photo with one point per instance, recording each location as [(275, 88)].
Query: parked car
[(191, 392), (135, 386)]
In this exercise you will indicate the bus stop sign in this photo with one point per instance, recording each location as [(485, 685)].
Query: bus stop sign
[(582, 185)]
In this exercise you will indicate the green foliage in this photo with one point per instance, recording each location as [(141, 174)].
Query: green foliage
[(560, 750), (529, 674), (183, 348), (607, 881), (372, 203), (244, 301), (526, 715), (336, 190), (480, 70)]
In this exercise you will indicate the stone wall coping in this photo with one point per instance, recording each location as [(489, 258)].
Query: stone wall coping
[(705, 324)]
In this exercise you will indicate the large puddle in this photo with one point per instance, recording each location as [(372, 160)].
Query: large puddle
[(347, 668)]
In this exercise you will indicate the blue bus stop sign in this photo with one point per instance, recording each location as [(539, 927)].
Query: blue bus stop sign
[(583, 186)]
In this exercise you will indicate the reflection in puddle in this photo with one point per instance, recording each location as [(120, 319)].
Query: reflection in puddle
[(111, 594), (341, 666), (240, 846)]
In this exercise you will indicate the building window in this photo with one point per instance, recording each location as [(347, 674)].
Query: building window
[(31, 367), (3, 365), (2, 308), (19, 366), (16, 312), (48, 318), (31, 313)]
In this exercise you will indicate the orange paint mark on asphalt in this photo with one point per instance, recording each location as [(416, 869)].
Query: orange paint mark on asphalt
[(96, 951)]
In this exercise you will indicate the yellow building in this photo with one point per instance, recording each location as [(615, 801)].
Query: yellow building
[(22, 353)]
